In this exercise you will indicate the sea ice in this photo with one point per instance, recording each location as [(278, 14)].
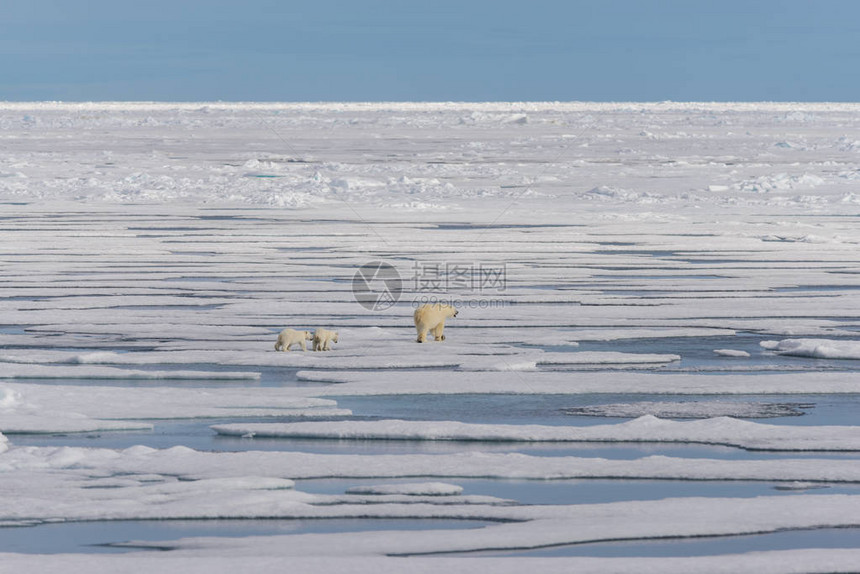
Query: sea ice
[(161, 253), (36, 408), (11, 370), (691, 409), (647, 428), (731, 353), (362, 383), (261, 557), (815, 348), (412, 489)]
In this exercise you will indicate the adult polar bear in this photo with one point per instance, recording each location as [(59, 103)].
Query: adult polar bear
[(431, 317)]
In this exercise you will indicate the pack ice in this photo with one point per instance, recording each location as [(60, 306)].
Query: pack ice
[(689, 266)]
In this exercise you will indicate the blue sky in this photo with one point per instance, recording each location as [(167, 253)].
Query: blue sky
[(433, 50)]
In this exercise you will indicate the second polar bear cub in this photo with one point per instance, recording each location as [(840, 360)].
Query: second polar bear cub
[(323, 338), (290, 337), (431, 317)]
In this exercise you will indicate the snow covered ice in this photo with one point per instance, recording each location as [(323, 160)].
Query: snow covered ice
[(689, 267), (815, 348), (692, 409)]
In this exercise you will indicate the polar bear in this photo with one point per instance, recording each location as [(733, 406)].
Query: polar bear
[(289, 337), (431, 317), (323, 338)]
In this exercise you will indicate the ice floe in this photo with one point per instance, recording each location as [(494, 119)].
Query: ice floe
[(259, 556), (534, 527), (691, 409), (143, 465), (50, 484), (360, 383), (35, 371), (815, 348), (647, 428), (139, 483), (34, 408), (732, 353), (413, 489)]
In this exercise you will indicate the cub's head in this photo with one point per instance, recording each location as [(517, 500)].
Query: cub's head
[(450, 310), (334, 337), (309, 336)]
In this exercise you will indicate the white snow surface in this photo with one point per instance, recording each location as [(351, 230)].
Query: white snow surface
[(151, 252), (362, 383), (51, 484), (20, 371), (647, 428), (731, 353), (816, 348), (191, 465), (765, 563), (262, 558), (32, 408), (539, 527)]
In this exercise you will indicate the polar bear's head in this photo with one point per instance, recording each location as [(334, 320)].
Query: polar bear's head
[(309, 336), (448, 310)]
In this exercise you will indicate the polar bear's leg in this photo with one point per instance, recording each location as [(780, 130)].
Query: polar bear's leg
[(438, 332), (302, 343), (422, 335)]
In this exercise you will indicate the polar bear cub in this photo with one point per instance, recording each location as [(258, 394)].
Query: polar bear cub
[(289, 337), (431, 317), (323, 338)]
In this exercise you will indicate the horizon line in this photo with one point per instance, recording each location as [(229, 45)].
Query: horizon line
[(534, 105)]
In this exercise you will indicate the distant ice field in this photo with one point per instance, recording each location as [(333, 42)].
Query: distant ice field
[(655, 364)]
